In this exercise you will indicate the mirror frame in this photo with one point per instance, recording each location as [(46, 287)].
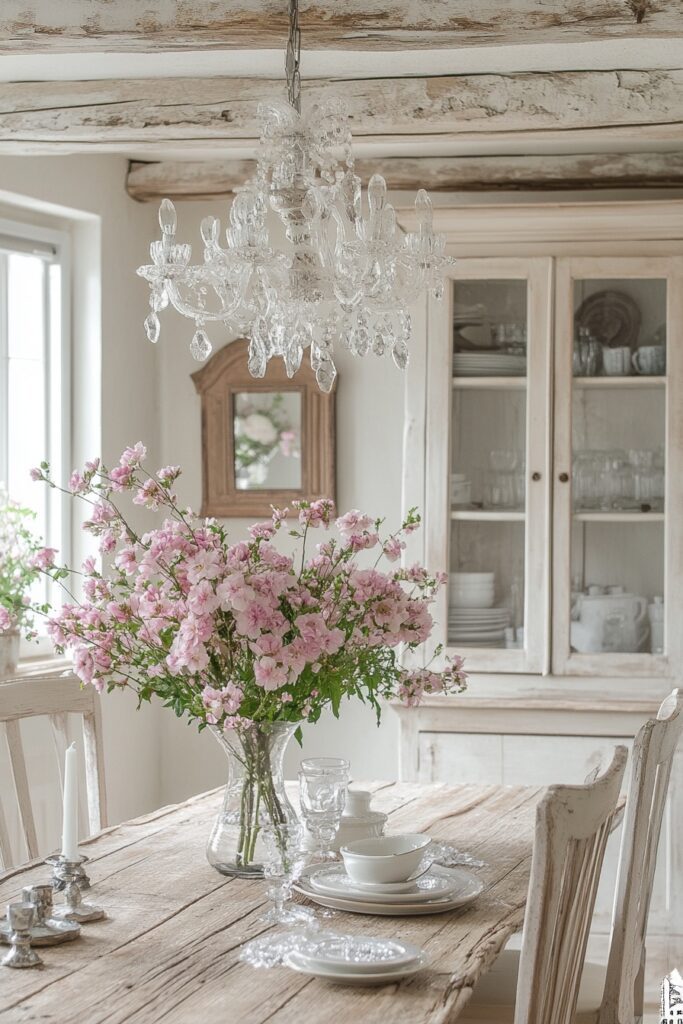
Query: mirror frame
[(225, 375)]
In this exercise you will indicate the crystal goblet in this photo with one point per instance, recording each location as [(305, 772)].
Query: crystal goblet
[(322, 791), (283, 863)]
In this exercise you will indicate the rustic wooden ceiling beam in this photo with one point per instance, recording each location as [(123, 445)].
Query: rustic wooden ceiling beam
[(215, 179), (85, 26), (100, 116)]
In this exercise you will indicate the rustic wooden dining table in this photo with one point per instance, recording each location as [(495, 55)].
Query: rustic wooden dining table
[(169, 948)]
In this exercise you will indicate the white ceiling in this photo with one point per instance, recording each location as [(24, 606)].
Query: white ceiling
[(598, 56)]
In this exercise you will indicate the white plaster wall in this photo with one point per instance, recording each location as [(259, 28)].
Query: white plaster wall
[(61, 192), (369, 453)]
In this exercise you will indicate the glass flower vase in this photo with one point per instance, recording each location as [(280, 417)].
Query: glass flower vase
[(254, 796)]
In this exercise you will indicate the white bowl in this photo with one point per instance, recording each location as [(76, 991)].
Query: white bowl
[(387, 859)]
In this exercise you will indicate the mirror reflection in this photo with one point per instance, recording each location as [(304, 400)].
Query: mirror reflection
[(267, 440)]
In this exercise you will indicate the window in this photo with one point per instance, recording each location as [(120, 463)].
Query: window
[(34, 375)]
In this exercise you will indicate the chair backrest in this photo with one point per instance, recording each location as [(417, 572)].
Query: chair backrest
[(572, 827), (44, 694), (653, 753)]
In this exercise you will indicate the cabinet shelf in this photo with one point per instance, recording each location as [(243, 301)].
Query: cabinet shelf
[(479, 515), (619, 382), (502, 383), (618, 517)]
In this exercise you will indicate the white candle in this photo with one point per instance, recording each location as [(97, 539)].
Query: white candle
[(70, 815)]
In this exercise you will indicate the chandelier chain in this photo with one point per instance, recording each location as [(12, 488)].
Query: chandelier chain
[(293, 57)]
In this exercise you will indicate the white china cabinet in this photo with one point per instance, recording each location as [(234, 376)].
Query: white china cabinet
[(544, 444)]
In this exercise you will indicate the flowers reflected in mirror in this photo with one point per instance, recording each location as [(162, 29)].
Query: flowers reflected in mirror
[(267, 440)]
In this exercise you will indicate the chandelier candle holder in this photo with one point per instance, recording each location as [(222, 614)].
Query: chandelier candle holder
[(348, 272)]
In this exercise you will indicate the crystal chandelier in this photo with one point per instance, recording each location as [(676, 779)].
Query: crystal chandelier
[(348, 272)]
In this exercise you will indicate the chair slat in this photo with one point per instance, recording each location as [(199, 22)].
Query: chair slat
[(94, 770), (5, 845), (20, 775), (60, 738)]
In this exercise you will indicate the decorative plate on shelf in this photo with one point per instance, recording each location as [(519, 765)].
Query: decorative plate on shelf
[(612, 318)]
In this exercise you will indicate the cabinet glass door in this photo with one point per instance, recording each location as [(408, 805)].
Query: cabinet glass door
[(615, 350), (494, 442)]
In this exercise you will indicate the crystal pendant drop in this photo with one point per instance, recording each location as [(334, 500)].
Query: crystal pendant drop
[(152, 327), (200, 346), (399, 354)]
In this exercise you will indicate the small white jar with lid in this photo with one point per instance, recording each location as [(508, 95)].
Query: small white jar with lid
[(359, 821)]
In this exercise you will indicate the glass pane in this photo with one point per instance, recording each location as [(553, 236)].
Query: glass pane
[(486, 585), (488, 449), (618, 466), (267, 440), (617, 587), (619, 328), (618, 437), (489, 328)]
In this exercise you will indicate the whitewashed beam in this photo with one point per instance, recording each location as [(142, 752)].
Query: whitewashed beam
[(29, 26), (186, 112), (212, 179)]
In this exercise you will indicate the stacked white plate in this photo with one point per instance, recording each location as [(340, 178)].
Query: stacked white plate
[(357, 960), (478, 627), (471, 589), (488, 364), (437, 890)]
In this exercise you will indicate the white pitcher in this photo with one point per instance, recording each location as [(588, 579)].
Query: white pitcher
[(618, 620)]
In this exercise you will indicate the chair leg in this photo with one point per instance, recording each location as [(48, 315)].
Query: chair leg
[(639, 989)]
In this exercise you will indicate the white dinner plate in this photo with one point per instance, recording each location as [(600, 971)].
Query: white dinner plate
[(471, 888), (298, 962), (437, 883), (359, 954)]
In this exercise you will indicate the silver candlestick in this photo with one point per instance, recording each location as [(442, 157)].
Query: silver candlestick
[(67, 876), (46, 930), (58, 883), (21, 917)]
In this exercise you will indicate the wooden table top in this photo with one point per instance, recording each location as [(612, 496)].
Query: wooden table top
[(168, 951)]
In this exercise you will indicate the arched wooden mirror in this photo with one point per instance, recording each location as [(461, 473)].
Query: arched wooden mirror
[(264, 441)]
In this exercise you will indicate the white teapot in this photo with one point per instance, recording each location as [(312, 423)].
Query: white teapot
[(610, 622)]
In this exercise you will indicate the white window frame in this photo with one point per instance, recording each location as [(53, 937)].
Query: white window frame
[(58, 390)]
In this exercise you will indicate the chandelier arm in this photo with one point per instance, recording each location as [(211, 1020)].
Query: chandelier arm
[(293, 57), (198, 313)]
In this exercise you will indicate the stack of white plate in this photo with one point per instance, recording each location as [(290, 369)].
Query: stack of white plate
[(488, 364), (471, 589), (478, 627), (437, 890), (357, 959)]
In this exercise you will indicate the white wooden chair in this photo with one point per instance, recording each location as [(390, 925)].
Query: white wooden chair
[(54, 696), (652, 758), (541, 984)]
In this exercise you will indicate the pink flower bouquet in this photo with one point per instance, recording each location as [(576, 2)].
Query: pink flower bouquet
[(240, 635)]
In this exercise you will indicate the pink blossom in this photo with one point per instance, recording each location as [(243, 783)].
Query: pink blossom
[(287, 439), (126, 560), (107, 542), (202, 599), (362, 541), (262, 531), (315, 513), (286, 698), (36, 473), (134, 456), (168, 475), (92, 465), (149, 495), (353, 522), (121, 477), (43, 559), (6, 620), (279, 514), (77, 483), (269, 674), (393, 548)]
